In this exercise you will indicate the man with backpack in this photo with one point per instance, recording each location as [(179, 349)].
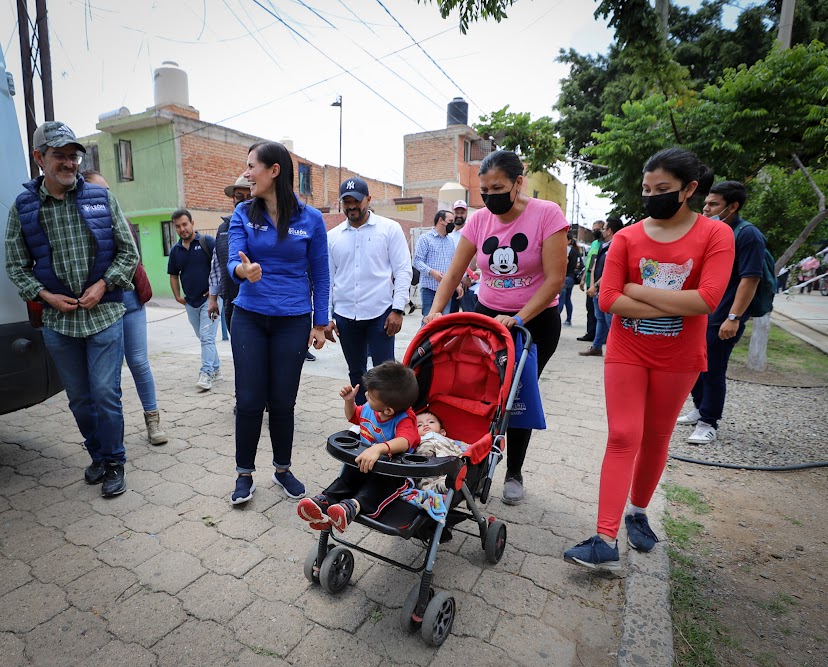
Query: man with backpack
[(747, 295), (189, 267)]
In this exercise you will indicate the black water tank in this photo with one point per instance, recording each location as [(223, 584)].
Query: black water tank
[(458, 112)]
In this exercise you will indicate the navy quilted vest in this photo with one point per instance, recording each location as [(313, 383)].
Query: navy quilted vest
[(93, 205)]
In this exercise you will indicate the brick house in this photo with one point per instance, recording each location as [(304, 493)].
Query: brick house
[(167, 157)]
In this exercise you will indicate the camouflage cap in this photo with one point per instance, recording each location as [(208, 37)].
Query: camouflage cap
[(55, 134)]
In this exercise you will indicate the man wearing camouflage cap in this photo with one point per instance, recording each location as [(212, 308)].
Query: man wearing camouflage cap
[(69, 246)]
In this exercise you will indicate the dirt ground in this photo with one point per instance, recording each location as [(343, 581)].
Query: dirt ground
[(761, 557)]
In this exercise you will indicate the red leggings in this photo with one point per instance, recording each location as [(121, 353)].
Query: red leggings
[(642, 407)]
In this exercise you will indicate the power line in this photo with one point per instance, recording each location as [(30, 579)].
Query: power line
[(436, 64)]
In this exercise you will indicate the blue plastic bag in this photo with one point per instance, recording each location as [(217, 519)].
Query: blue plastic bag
[(527, 409)]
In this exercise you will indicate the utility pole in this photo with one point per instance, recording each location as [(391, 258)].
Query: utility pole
[(45, 55), (28, 84), (786, 23)]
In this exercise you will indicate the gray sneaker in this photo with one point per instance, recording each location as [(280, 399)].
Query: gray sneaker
[(205, 382), (513, 492)]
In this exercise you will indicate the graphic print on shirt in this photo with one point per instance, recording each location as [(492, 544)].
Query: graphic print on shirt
[(660, 275), (504, 261)]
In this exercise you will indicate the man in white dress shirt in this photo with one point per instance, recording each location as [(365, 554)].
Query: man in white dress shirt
[(370, 268)]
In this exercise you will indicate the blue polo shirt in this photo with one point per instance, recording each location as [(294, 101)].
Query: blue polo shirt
[(192, 266)]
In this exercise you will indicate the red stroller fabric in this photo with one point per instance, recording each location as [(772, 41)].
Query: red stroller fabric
[(464, 364)]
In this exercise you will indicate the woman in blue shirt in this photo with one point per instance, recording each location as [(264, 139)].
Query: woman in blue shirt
[(279, 257)]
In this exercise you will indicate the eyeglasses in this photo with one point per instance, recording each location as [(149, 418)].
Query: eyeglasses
[(76, 158)]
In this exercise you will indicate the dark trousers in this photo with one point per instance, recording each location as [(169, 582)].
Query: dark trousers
[(268, 353), (371, 490), (591, 320), (711, 388), (359, 339), (228, 313), (546, 332)]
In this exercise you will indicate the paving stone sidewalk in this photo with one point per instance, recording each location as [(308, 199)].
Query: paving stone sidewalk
[(171, 574)]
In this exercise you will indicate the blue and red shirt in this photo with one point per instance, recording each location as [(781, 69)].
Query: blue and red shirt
[(372, 429)]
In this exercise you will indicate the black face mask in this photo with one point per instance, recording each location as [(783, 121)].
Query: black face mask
[(663, 206), (597, 234), (449, 227), (499, 204)]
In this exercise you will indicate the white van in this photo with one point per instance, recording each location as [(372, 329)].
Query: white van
[(27, 375)]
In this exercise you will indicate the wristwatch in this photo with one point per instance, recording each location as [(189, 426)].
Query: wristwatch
[(109, 284), (732, 316), (397, 311)]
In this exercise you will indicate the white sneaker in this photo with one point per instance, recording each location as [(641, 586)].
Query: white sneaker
[(703, 434), (690, 418), (205, 382), (216, 375)]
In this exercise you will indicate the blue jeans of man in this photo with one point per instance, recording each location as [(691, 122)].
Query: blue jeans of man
[(268, 353), (565, 298), (427, 297), (711, 388), (602, 325), (359, 340), (135, 350), (90, 369), (205, 330)]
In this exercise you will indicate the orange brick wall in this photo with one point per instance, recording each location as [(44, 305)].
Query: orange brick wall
[(209, 166)]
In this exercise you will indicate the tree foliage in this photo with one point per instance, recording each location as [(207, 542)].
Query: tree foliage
[(472, 11), (536, 141)]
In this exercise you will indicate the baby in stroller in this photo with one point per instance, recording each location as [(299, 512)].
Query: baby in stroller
[(435, 442), (388, 424)]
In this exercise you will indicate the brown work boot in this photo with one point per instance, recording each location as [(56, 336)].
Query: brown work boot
[(154, 433), (592, 352)]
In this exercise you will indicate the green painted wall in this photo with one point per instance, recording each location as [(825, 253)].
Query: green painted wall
[(152, 252)]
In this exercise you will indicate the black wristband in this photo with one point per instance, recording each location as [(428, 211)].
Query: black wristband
[(397, 311)]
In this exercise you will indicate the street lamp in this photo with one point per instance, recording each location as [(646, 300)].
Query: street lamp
[(338, 103)]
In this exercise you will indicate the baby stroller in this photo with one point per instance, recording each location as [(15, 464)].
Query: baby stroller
[(465, 366)]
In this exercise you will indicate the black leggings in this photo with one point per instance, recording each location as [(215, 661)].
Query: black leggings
[(546, 332)]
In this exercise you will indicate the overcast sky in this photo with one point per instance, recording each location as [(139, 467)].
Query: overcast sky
[(271, 68)]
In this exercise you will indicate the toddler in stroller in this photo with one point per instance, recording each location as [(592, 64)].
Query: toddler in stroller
[(465, 366)]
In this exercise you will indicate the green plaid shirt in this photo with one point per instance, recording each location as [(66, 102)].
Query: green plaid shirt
[(73, 253)]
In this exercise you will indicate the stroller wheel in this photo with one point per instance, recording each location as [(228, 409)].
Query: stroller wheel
[(310, 563), (336, 569), (495, 541), (406, 622), (438, 618)]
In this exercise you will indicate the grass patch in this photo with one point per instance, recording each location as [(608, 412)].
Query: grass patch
[(696, 627), (685, 496), (261, 650), (786, 355), (780, 605)]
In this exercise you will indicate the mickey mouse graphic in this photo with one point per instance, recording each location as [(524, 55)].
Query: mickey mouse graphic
[(503, 260)]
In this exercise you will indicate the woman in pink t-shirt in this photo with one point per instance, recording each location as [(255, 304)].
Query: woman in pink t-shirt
[(662, 277), (520, 243)]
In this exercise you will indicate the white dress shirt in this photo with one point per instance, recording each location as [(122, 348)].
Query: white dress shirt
[(370, 268)]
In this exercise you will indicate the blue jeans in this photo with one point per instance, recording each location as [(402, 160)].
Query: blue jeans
[(565, 298), (359, 340), (602, 325), (427, 297), (90, 369), (135, 350), (268, 353), (205, 330), (711, 388)]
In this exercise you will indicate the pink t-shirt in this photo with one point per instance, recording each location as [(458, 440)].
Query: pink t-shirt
[(509, 253)]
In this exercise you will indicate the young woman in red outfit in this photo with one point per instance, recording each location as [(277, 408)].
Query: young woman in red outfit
[(662, 278)]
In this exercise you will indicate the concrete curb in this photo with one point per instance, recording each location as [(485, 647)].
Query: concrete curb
[(647, 634)]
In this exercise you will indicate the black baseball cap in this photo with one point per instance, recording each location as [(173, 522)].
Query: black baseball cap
[(354, 187)]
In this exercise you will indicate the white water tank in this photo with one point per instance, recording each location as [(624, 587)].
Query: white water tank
[(171, 86), (450, 193), (122, 112), (287, 142)]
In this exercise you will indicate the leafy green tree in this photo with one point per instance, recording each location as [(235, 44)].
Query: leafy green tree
[(536, 141), (472, 11)]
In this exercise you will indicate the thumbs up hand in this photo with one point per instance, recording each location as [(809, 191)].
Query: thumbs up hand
[(252, 271)]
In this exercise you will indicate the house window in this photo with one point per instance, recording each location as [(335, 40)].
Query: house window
[(123, 155), (466, 151), (91, 160), (167, 236), (304, 179)]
